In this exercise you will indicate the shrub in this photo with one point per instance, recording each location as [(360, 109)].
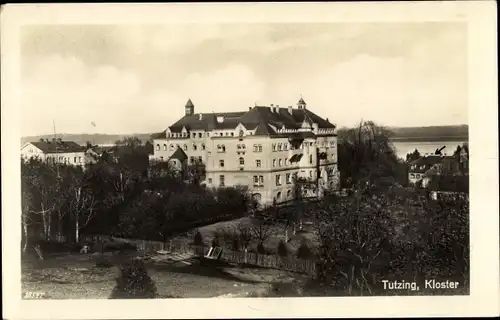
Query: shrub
[(303, 252), (198, 239), (134, 282), (282, 249)]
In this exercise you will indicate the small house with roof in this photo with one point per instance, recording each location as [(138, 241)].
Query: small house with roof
[(56, 151)]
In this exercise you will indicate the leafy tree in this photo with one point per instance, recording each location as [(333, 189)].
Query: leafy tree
[(366, 156), (413, 156), (369, 237)]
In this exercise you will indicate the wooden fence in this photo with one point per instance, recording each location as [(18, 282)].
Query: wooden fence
[(231, 256)]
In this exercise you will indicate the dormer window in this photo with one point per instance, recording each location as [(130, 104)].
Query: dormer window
[(220, 119)]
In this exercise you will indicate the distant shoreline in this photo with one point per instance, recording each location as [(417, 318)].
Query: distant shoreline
[(430, 139)]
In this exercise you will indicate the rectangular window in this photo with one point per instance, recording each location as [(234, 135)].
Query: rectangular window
[(255, 180), (191, 160), (199, 134), (222, 181), (260, 148), (279, 162), (288, 178), (285, 146), (209, 180), (221, 163), (274, 146), (278, 180), (80, 159), (258, 163), (255, 148), (279, 146), (74, 160), (274, 162), (200, 159), (261, 180), (286, 161)]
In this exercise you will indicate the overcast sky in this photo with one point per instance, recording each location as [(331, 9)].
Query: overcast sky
[(130, 79)]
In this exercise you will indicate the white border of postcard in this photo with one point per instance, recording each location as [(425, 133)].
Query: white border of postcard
[(484, 290)]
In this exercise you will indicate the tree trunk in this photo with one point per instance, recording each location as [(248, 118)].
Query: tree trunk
[(49, 230), (77, 229), (25, 230), (60, 225)]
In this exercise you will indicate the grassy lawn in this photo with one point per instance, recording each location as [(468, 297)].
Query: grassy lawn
[(75, 276)]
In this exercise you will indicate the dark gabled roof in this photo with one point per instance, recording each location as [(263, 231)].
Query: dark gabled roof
[(58, 146), (159, 135), (264, 129), (251, 119), (179, 154), (426, 161)]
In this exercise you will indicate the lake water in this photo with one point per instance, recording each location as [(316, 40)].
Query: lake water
[(403, 147)]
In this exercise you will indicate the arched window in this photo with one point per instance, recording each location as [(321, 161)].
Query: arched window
[(161, 158), (288, 193), (194, 147), (158, 147), (257, 197), (165, 147), (185, 147), (203, 146), (278, 196), (242, 161)]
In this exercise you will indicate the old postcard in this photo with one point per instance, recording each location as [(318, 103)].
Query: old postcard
[(250, 160)]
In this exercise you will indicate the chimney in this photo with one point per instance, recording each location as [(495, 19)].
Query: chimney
[(290, 110), (249, 108), (277, 110)]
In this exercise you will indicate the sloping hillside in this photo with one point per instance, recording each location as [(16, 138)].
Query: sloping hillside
[(434, 133)]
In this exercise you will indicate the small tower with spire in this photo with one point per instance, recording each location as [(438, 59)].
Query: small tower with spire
[(301, 104), (189, 108)]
